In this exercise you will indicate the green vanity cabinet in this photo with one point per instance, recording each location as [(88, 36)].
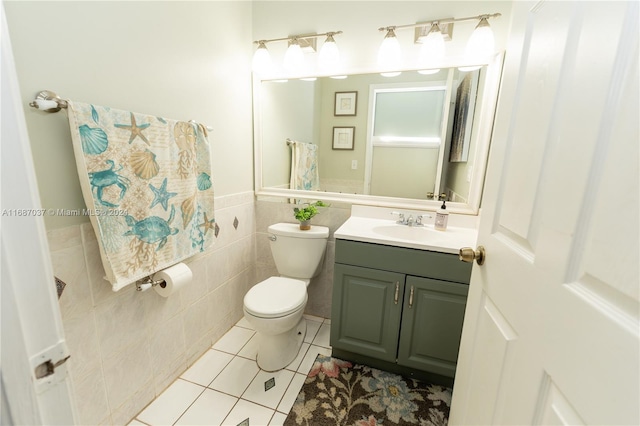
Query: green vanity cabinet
[(398, 307), (369, 311), (431, 325)]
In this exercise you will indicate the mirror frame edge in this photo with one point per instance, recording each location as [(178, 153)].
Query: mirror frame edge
[(485, 131)]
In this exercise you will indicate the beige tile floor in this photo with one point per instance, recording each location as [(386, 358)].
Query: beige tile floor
[(226, 386)]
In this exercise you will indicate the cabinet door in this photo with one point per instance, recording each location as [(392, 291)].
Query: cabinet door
[(366, 311), (432, 325)]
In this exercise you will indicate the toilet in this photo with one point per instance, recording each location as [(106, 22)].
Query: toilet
[(274, 307)]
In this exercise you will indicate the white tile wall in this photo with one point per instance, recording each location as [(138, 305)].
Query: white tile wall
[(127, 346)]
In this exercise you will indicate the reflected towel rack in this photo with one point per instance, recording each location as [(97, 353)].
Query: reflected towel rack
[(49, 101), (290, 142)]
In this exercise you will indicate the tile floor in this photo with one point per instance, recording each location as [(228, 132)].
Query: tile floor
[(226, 386)]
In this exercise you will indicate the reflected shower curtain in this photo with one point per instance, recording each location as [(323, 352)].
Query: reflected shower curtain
[(304, 166)]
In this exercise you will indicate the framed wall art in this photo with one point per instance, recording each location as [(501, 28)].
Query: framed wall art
[(346, 103), (343, 137)]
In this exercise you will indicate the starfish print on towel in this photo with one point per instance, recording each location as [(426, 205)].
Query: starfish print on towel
[(208, 224), (136, 130), (161, 195)]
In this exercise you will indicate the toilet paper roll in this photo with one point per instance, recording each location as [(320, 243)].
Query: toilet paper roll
[(175, 277)]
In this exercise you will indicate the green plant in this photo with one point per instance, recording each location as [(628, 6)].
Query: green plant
[(306, 213)]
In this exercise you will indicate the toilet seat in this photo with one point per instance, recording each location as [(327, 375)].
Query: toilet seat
[(275, 297)]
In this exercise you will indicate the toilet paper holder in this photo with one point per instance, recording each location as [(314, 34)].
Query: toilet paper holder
[(147, 282)]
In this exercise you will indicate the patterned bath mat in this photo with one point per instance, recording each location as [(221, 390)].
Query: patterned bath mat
[(337, 392)]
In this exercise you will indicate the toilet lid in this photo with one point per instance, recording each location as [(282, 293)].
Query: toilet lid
[(275, 297)]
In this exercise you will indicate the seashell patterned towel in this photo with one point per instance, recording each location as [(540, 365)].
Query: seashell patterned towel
[(304, 166), (146, 181)]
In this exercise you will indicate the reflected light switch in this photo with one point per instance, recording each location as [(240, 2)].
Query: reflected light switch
[(354, 164)]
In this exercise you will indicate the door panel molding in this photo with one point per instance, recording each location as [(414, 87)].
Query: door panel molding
[(553, 407)]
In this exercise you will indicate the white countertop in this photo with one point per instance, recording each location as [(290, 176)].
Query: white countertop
[(371, 228)]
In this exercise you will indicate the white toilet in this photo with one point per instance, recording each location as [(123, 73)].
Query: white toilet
[(274, 306)]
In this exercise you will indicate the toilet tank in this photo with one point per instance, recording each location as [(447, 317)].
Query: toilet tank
[(297, 253)]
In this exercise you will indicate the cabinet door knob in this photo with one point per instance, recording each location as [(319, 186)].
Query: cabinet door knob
[(395, 297), (467, 254), (411, 297)]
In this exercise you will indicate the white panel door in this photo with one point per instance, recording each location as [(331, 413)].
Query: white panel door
[(551, 332), (36, 388)]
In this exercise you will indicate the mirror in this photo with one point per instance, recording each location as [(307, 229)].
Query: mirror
[(396, 142)]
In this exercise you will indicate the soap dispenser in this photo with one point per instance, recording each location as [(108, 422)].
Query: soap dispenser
[(442, 217)]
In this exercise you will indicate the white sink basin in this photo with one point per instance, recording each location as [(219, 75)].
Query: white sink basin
[(388, 232)]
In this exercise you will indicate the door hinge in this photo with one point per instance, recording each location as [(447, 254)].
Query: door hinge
[(48, 368)]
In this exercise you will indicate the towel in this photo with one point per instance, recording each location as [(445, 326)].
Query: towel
[(147, 185), (304, 166)]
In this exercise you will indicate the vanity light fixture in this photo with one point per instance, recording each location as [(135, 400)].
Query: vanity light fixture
[(432, 50), (390, 54), (480, 44), (262, 59), (293, 57), (294, 63), (329, 57)]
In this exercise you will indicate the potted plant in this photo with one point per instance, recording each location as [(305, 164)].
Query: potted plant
[(305, 214)]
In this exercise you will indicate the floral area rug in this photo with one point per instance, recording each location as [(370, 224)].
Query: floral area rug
[(337, 392)]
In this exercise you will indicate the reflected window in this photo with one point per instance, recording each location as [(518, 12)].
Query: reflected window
[(408, 116)]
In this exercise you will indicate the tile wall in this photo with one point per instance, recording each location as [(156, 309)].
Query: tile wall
[(128, 346)]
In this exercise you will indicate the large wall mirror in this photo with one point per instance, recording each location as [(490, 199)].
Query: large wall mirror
[(398, 142)]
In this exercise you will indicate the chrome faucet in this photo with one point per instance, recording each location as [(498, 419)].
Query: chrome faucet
[(401, 220), (422, 216), (410, 221)]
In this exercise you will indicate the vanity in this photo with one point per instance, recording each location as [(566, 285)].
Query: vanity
[(399, 296)]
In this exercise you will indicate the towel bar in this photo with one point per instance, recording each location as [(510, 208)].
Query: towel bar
[(49, 101)]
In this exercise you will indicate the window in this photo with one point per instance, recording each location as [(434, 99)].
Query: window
[(408, 116)]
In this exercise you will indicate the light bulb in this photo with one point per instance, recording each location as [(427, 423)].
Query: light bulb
[(293, 57), (329, 58), (480, 45), (390, 54), (261, 59), (432, 51)]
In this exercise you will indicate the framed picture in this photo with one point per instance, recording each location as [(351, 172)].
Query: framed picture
[(343, 137), (346, 103), (463, 118)]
